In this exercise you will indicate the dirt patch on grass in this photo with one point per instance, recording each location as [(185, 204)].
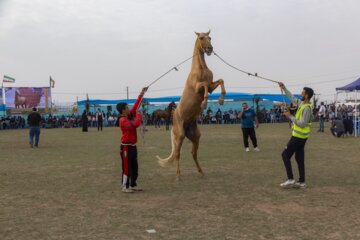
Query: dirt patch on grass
[(290, 208), (332, 190)]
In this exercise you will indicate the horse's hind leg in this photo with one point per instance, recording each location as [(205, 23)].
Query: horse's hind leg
[(193, 133)]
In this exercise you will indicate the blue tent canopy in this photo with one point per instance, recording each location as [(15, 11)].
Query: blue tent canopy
[(351, 86), (234, 96)]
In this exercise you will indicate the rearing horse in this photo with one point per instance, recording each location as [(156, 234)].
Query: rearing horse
[(193, 100)]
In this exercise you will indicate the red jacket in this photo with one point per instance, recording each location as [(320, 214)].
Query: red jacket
[(128, 127)]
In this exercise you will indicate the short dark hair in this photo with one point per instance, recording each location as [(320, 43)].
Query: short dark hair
[(309, 92), (121, 106), (34, 109)]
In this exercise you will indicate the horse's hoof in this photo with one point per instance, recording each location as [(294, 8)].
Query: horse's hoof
[(221, 101), (201, 174)]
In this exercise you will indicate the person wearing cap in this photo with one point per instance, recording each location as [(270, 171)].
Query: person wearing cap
[(34, 120)]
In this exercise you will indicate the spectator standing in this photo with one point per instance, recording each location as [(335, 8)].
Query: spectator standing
[(84, 119), (99, 119), (248, 117), (34, 120), (322, 114)]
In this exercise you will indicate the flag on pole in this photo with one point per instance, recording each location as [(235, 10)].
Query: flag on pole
[(8, 79), (52, 82)]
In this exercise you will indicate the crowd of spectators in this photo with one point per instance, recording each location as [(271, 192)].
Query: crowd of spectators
[(341, 111), (231, 116), (12, 122), (208, 116), (63, 121)]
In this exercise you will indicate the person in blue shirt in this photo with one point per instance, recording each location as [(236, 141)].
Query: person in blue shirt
[(248, 117)]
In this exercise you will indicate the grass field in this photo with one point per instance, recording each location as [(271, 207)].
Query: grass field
[(69, 188)]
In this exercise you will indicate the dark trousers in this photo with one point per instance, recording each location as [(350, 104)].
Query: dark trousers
[(85, 126), (129, 165), (249, 132), (100, 124), (336, 133), (295, 145), (34, 131), (321, 123)]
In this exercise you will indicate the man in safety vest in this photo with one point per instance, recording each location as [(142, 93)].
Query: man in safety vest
[(301, 126)]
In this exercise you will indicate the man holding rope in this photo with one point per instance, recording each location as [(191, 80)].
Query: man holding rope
[(128, 121), (300, 133)]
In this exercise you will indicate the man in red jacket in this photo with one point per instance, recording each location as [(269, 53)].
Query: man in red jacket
[(128, 122)]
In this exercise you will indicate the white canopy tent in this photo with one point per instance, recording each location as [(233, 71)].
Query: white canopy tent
[(355, 88)]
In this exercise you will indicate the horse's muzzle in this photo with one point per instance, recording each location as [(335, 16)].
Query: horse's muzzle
[(208, 51)]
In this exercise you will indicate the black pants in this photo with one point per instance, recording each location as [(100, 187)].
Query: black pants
[(129, 165), (100, 124), (249, 132), (85, 126), (295, 145), (336, 133)]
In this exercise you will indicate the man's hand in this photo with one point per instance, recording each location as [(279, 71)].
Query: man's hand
[(256, 125), (143, 91), (281, 85), (287, 114)]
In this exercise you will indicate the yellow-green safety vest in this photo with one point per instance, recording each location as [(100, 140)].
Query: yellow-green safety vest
[(304, 132)]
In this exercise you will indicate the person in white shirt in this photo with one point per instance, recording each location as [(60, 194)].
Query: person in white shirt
[(322, 112), (99, 119)]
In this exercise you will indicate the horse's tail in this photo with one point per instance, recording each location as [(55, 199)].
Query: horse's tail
[(166, 161)]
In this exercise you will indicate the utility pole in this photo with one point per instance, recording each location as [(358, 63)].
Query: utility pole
[(127, 93)]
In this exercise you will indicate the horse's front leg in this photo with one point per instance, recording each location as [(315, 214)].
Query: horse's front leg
[(214, 85), (198, 89)]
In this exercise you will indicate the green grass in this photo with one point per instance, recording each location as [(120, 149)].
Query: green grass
[(69, 188)]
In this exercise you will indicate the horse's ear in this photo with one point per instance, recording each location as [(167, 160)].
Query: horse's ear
[(198, 34), (208, 32)]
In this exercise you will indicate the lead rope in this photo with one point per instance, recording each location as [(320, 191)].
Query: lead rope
[(157, 79), (254, 75), (173, 68)]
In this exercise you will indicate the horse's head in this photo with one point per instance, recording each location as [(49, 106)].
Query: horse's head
[(171, 106), (204, 42)]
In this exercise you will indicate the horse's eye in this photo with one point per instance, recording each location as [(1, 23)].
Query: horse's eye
[(209, 38)]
